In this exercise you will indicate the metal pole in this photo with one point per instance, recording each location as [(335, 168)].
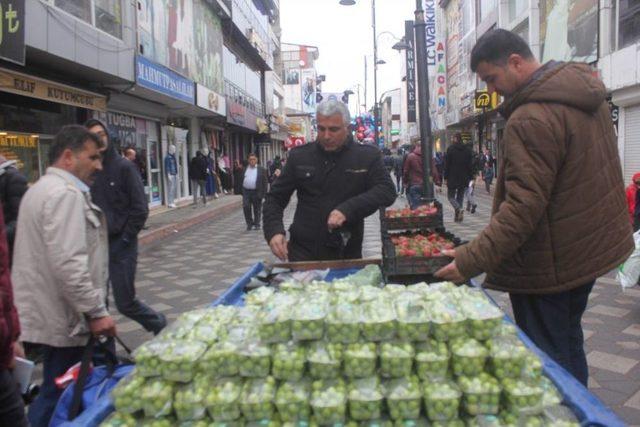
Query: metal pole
[(375, 74), (423, 100), (365, 83)]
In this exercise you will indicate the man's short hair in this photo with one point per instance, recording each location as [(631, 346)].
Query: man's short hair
[(496, 46), (252, 155), (72, 137), (333, 107)]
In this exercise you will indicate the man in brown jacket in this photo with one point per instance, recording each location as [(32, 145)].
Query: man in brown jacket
[(556, 226)]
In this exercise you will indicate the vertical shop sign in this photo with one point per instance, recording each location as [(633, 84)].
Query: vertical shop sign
[(12, 30), (411, 72), (430, 19)]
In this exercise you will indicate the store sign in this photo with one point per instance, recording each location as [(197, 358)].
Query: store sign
[(23, 84), (236, 113), (430, 20), (18, 141), (294, 141), (123, 125), (615, 114), (484, 100), (411, 73), (161, 79), (12, 25), (210, 100)]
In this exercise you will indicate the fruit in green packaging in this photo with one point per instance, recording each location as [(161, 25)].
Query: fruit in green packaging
[(468, 357), (360, 359), (158, 422), (551, 396), (522, 396), (343, 323), (207, 333), (292, 401), (396, 359), (274, 319), (512, 419), (507, 356), (125, 394), (180, 360), (560, 416), (432, 360), (441, 400), (378, 321), (365, 399), (256, 401), (532, 366), (188, 401), (370, 293), (448, 423), (288, 361), (329, 401), (259, 296), (413, 317), (325, 360), (254, 360), (483, 318), (484, 421), (220, 360), (223, 399), (120, 419), (308, 318), (147, 357), (481, 394), (157, 398), (291, 286), (447, 321), (403, 397)]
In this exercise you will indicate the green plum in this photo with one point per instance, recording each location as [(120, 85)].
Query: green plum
[(292, 401), (220, 360), (180, 360), (343, 323), (329, 401), (365, 399), (324, 360), (188, 401), (157, 398), (288, 361), (360, 359), (441, 400), (403, 397), (522, 396), (223, 399), (432, 360), (254, 360), (256, 400), (396, 359), (125, 394), (481, 394), (468, 357)]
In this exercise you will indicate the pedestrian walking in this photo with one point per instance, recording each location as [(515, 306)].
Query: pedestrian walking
[(171, 173), (458, 171), (413, 174), (254, 188), (60, 273), (119, 192), (554, 228), (198, 176), (398, 170), (13, 185), (338, 184), (487, 169), (633, 201), (11, 404)]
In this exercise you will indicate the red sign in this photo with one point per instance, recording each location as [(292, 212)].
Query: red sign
[(294, 141)]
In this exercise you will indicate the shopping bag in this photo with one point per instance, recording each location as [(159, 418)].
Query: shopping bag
[(91, 385), (629, 271)]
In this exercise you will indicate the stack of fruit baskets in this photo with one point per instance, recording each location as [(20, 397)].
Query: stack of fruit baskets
[(423, 217), (345, 353), (415, 255)]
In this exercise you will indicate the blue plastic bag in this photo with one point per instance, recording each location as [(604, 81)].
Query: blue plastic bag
[(99, 384)]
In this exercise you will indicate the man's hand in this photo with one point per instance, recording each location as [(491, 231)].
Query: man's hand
[(336, 219), (450, 271), (278, 245), (103, 326)]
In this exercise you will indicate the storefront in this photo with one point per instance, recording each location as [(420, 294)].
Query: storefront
[(142, 135), (32, 111), (242, 128)]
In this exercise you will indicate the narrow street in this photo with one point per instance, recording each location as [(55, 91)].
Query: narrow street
[(191, 269)]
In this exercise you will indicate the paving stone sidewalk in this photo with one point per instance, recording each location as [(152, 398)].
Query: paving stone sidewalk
[(190, 269)]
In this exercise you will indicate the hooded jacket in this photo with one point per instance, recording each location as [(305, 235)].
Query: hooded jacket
[(412, 174), (632, 191), (556, 225), (119, 192), (198, 167)]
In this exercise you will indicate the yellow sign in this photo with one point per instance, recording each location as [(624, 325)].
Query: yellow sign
[(18, 140), (485, 100), (22, 84)]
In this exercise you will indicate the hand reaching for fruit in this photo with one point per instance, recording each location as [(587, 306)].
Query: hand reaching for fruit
[(278, 245), (450, 271)]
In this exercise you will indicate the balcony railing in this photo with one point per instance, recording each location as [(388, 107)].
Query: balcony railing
[(238, 95)]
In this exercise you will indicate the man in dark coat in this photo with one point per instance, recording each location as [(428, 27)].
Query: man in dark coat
[(458, 170), (254, 188), (338, 184), (119, 192), (13, 185), (198, 170)]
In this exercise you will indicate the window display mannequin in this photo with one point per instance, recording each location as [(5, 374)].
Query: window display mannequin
[(171, 172), (225, 173)]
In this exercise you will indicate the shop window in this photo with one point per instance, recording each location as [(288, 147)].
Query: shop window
[(628, 23), (105, 15), (486, 8), (516, 8), (468, 17)]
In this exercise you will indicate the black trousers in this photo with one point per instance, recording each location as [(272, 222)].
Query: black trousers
[(123, 260), (456, 196), (553, 322), (252, 207), (11, 404)]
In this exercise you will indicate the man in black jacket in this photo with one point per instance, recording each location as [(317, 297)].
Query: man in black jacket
[(13, 185), (198, 170), (338, 183), (254, 188), (458, 171), (119, 192)]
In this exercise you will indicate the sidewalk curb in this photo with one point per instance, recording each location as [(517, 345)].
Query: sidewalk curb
[(171, 229)]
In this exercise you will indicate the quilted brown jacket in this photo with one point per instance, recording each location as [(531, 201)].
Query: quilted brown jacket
[(559, 216)]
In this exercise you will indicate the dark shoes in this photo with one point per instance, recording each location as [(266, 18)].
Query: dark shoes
[(256, 227), (249, 228), (473, 208), (459, 215)]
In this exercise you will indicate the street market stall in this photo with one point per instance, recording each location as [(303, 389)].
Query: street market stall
[(312, 359)]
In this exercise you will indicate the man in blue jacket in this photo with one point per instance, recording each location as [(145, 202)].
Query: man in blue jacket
[(119, 192)]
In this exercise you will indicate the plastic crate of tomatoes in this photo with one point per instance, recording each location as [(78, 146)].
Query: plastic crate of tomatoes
[(416, 253), (427, 216)]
